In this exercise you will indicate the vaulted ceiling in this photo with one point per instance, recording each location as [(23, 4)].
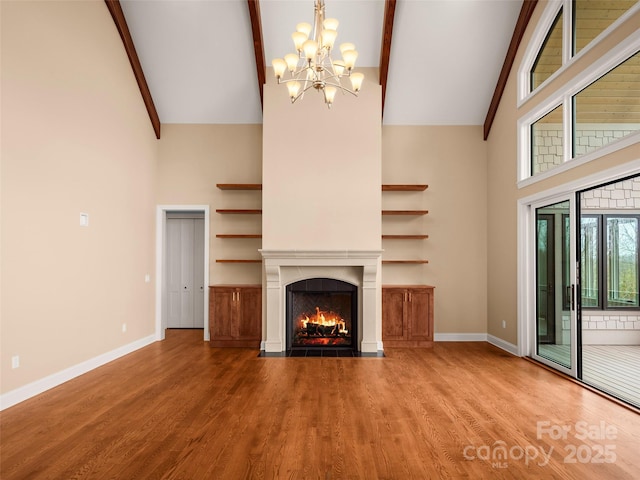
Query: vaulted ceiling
[(445, 56)]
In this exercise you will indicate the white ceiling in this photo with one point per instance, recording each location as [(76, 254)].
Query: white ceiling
[(446, 55)]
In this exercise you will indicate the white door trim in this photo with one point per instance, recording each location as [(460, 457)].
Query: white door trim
[(526, 266), (161, 221)]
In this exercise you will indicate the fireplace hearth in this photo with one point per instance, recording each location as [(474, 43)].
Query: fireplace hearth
[(321, 314)]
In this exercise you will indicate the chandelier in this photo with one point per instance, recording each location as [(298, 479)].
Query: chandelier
[(312, 66)]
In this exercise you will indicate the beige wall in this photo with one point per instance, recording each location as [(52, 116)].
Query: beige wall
[(75, 138), (321, 169), (503, 193), (452, 161), (193, 159)]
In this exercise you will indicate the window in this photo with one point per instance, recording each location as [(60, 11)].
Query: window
[(622, 261), (547, 149), (590, 260), (609, 258), (608, 109), (549, 57), (597, 108), (592, 17)]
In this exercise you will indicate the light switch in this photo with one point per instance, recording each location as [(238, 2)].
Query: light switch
[(84, 219)]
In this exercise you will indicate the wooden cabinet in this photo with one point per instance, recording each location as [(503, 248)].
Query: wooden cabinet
[(407, 316), (235, 315)]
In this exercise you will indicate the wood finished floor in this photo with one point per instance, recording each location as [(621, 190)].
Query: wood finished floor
[(179, 409)]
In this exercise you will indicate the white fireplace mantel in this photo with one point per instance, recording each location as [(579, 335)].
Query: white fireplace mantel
[(360, 267)]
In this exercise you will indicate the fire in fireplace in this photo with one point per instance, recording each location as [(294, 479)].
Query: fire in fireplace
[(321, 312)]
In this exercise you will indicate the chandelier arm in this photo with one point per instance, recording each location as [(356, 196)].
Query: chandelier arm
[(342, 88), (301, 93)]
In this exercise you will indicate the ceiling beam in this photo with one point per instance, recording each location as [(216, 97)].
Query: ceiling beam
[(521, 25), (385, 50), (121, 24), (258, 44)]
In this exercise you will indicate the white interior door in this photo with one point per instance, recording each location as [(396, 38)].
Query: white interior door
[(198, 273), (185, 272)]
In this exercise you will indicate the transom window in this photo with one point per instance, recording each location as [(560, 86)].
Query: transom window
[(549, 58), (608, 109), (599, 106), (592, 17), (547, 140)]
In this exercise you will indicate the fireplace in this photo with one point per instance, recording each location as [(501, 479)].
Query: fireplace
[(321, 313), (359, 268)]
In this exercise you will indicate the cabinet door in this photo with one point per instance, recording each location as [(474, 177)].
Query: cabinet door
[(419, 314), (393, 324), (222, 310), (248, 324)]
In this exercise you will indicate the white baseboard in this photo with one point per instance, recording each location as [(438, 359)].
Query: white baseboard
[(477, 337), (32, 389), (460, 337), (504, 345)]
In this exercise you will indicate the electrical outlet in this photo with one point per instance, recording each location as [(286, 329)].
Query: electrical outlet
[(147, 278), (15, 361), (504, 324), (124, 327)]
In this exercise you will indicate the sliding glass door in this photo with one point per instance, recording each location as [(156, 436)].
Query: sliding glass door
[(583, 287), (556, 316), (609, 246)]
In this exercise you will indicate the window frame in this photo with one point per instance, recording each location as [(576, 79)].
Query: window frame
[(560, 12), (549, 14), (564, 96), (602, 264)]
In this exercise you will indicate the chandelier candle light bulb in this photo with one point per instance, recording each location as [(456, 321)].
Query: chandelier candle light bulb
[(312, 65)]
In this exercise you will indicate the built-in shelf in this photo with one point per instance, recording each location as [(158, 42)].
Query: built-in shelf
[(416, 262), (405, 212), (239, 211), (236, 211), (231, 260), (404, 237), (385, 187), (239, 186), (237, 235), (404, 188)]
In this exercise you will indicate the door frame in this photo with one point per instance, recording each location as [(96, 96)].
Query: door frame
[(161, 241), (532, 318), (526, 236)]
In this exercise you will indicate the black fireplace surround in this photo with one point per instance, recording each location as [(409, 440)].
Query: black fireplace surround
[(322, 313)]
